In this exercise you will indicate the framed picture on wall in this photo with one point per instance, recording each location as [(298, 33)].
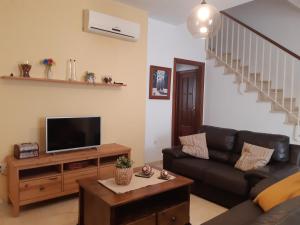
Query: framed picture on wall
[(160, 82)]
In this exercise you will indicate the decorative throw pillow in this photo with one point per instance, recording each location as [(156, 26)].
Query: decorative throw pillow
[(253, 157), (279, 192), (195, 145)]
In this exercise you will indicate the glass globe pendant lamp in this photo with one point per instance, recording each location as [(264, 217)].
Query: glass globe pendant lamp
[(204, 21)]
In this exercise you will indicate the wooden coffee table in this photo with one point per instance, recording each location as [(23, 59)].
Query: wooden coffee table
[(161, 204)]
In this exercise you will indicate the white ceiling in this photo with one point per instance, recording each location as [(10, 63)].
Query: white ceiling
[(295, 2), (176, 11)]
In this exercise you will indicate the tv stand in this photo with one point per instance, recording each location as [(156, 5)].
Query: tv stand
[(50, 175)]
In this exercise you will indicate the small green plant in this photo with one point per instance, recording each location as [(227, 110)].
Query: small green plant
[(123, 162)]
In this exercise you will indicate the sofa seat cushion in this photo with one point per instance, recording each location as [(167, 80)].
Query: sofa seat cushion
[(191, 167), (242, 214), (227, 178)]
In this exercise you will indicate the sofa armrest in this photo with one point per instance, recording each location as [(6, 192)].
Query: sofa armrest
[(169, 154), (261, 185), (175, 152), (295, 155), (278, 171)]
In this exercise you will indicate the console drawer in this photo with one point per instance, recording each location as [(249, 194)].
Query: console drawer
[(176, 215), (70, 178), (148, 220), (40, 187)]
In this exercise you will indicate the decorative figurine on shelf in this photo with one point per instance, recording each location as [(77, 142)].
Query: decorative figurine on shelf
[(107, 80), (25, 67), (48, 63), (90, 77), (147, 170)]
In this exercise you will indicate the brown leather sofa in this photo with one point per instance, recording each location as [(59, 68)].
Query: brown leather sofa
[(248, 213), (216, 179)]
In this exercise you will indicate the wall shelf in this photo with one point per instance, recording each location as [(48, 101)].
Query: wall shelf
[(61, 81)]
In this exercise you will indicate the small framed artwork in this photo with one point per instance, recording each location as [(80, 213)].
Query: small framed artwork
[(160, 82)]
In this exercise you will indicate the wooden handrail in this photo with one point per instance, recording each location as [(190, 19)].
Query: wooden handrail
[(263, 36)]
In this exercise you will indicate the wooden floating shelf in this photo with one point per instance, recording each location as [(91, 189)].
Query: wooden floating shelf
[(62, 81)]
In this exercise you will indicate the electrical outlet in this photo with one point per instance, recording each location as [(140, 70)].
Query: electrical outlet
[(2, 168)]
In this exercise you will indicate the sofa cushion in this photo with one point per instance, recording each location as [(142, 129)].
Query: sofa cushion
[(221, 139), (279, 143), (227, 178), (287, 213), (279, 192), (253, 157), (195, 145), (242, 214), (192, 167)]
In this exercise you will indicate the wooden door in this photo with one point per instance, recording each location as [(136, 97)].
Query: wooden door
[(187, 102), (187, 94)]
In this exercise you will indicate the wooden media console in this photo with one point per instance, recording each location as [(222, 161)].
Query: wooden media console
[(52, 176)]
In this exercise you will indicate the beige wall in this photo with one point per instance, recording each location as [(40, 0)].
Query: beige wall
[(35, 29)]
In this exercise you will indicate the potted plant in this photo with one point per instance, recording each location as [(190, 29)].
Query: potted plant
[(124, 171)]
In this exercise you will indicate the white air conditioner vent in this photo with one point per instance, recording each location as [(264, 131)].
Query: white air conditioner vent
[(111, 26)]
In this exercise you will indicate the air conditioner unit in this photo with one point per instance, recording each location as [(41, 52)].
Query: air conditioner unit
[(111, 26)]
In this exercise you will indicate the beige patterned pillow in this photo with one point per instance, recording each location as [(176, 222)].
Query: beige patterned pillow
[(253, 157), (195, 145)]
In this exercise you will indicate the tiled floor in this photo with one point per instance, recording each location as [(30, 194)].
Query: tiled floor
[(65, 212)]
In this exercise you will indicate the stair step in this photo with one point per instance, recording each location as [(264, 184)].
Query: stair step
[(250, 86), (287, 105), (292, 119), (263, 97)]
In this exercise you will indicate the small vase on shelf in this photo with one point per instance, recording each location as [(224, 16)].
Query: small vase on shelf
[(48, 63), (49, 72)]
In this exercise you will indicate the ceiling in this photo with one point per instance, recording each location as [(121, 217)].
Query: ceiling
[(176, 11), (295, 2)]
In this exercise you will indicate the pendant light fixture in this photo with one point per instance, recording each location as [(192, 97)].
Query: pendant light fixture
[(204, 21)]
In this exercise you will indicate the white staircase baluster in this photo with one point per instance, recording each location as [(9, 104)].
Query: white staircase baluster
[(284, 77), (227, 30), (250, 47), (270, 68), (238, 47), (255, 63), (277, 71), (263, 67), (244, 52), (217, 43), (292, 84), (222, 31), (232, 41)]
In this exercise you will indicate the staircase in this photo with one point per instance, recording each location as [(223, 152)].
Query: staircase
[(259, 65)]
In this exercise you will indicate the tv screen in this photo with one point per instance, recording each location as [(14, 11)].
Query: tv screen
[(65, 134)]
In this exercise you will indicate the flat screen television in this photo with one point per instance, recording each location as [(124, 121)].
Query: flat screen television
[(72, 133)]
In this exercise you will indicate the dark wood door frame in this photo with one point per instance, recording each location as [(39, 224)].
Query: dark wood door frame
[(200, 76)]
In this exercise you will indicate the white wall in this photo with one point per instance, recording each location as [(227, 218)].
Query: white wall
[(165, 42), (225, 107), (277, 19)]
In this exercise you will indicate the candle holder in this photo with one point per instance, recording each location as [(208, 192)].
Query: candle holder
[(25, 69)]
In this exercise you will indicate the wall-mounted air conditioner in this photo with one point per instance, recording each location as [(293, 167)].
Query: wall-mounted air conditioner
[(111, 26)]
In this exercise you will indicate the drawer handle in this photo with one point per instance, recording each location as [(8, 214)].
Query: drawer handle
[(53, 178), (42, 188), (173, 218)]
